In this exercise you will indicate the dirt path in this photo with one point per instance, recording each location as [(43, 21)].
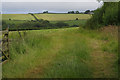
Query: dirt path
[(102, 62)]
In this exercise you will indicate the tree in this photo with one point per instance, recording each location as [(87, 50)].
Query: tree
[(71, 12), (77, 12), (45, 12), (87, 11)]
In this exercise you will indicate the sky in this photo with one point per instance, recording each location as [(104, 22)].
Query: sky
[(57, 0), (48, 0), (18, 7)]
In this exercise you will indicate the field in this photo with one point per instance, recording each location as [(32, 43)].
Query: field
[(50, 17), (73, 22), (63, 53), (62, 17), (70, 22), (17, 20), (17, 17), (71, 52)]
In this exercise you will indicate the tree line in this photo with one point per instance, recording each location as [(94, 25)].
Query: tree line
[(70, 12)]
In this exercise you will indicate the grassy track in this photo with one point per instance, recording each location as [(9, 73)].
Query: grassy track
[(62, 53)]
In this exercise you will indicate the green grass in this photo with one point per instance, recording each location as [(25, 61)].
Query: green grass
[(14, 22), (62, 17), (109, 39), (48, 48), (73, 22), (70, 22), (56, 53), (50, 17), (17, 17)]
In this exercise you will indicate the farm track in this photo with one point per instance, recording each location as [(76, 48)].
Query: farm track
[(40, 68), (102, 62)]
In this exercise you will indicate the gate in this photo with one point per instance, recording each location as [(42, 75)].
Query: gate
[(4, 45)]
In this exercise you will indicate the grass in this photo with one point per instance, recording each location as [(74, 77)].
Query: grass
[(61, 53), (50, 17), (17, 17), (70, 22), (50, 49), (62, 17), (73, 22)]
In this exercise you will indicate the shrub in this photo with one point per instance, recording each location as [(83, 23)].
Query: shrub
[(61, 24), (74, 26), (110, 16), (106, 15)]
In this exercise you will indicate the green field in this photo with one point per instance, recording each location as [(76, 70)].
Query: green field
[(70, 22), (50, 17), (62, 17), (17, 17), (18, 20), (62, 53), (73, 22)]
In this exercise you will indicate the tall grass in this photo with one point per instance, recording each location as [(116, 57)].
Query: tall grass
[(24, 53), (71, 61), (55, 53)]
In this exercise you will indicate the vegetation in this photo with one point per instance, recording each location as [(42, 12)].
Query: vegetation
[(106, 15), (87, 11), (17, 17), (69, 52), (72, 23), (62, 17), (49, 17), (34, 25), (57, 53), (45, 12), (24, 24)]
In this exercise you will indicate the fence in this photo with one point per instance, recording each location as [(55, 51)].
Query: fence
[(4, 45)]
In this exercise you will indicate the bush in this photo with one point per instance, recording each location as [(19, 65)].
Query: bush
[(33, 25), (74, 26), (61, 24), (106, 15), (110, 16)]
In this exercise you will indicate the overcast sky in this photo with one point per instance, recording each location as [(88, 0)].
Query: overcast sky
[(57, 7), (48, 0)]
